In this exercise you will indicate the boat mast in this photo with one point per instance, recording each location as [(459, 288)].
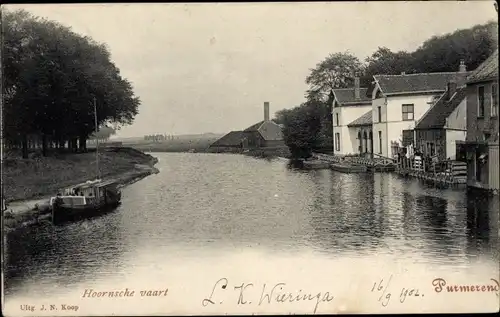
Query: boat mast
[(96, 141)]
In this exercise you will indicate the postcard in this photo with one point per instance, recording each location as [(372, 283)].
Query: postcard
[(250, 158)]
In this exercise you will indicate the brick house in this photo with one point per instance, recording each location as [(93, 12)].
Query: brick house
[(444, 124), (481, 145)]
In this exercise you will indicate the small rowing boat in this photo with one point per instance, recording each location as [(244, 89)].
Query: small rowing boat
[(348, 168)]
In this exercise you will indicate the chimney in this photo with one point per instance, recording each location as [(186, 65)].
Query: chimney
[(452, 88), (356, 88), (266, 111), (462, 68)]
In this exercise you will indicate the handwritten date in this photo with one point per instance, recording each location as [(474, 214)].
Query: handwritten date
[(383, 288)]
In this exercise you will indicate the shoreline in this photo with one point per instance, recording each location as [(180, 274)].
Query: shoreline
[(27, 212)]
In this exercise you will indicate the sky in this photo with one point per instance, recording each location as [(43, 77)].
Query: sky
[(209, 67)]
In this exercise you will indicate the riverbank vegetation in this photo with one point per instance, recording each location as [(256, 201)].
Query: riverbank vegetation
[(54, 81), (308, 127), (40, 176)]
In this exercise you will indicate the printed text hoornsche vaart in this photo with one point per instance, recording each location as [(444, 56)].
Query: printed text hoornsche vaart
[(90, 293)]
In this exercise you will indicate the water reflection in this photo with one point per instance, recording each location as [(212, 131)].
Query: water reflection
[(382, 213), (217, 205), (66, 254), (482, 224)]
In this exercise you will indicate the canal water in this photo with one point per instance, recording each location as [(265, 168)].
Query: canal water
[(207, 217)]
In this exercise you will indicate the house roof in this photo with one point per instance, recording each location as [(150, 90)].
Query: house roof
[(365, 119), (233, 138), (488, 70), (413, 83), (255, 127), (436, 116), (346, 95), (269, 130)]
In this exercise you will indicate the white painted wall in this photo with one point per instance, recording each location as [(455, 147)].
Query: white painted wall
[(458, 118), (456, 125), (394, 106), (347, 114), (392, 124), (379, 126), (344, 140), (452, 136)]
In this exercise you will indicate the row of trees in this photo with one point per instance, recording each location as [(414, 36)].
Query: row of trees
[(158, 137), (52, 78), (308, 127)]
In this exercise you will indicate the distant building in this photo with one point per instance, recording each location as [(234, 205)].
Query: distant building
[(443, 125), (350, 136), (399, 101), (481, 144), (264, 134)]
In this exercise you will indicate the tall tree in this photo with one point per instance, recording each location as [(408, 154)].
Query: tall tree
[(384, 61), (335, 71), (443, 53), (301, 130), (52, 77)]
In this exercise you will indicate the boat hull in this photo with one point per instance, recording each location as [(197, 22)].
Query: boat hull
[(312, 165), (63, 214), (349, 168)]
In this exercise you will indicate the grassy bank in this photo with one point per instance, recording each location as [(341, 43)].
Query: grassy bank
[(33, 180), (41, 176)]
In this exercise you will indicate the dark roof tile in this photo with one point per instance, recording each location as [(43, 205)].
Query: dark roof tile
[(366, 119), (233, 138), (410, 83), (346, 95), (254, 127), (437, 114), (269, 130), (488, 70)]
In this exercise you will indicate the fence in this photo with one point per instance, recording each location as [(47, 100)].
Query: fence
[(444, 172)]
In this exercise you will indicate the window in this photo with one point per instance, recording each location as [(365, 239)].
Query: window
[(360, 142), (408, 137), (494, 100), (431, 150), (337, 141), (380, 142), (480, 101), (407, 112), (379, 111), (337, 119)]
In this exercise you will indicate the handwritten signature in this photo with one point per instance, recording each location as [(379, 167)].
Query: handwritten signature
[(250, 293), (383, 288)]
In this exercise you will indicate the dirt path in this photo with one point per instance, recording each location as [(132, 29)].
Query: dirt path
[(23, 206)]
